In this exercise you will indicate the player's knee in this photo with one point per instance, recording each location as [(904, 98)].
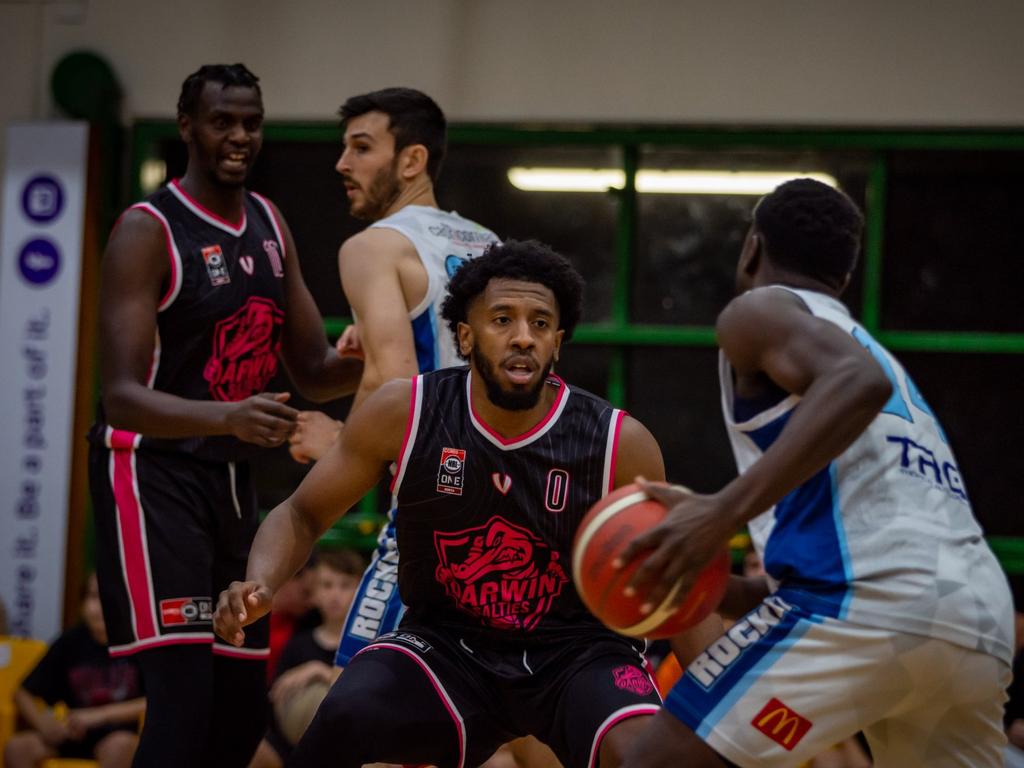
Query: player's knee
[(348, 715), (117, 748), (24, 750)]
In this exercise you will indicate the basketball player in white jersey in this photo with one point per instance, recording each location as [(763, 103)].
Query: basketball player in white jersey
[(884, 611), (394, 275)]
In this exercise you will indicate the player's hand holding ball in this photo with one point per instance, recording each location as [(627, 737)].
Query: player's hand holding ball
[(649, 561)]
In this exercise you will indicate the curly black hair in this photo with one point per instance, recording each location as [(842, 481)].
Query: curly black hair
[(413, 118), (228, 75), (527, 260), (810, 228)]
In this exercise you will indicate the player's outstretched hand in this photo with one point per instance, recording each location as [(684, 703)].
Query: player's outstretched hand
[(349, 345), (314, 433), (263, 419), (695, 530), (242, 603)]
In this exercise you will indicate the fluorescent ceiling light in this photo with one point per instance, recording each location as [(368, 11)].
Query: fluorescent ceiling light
[(664, 182), (152, 174)]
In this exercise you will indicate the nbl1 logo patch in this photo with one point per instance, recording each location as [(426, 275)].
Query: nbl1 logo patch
[(186, 610), (216, 267), (451, 473)]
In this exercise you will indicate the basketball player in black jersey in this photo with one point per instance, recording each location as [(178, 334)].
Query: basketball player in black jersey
[(201, 298), (496, 464)]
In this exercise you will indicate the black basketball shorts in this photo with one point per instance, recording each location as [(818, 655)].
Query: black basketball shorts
[(452, 702), (172, 531)]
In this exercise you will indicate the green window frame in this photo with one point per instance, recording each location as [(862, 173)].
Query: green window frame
[(619, 333)]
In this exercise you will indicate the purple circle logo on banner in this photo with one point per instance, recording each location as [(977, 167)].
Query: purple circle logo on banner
[(42, 199), (39, 262)]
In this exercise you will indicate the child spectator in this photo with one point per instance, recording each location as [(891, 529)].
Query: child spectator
[(103, 698), (308, 658)]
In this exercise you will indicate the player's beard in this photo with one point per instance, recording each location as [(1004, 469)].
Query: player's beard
[(384, 189), (514, 400)]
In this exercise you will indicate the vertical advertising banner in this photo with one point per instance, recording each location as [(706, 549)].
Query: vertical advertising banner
[(40, 266)]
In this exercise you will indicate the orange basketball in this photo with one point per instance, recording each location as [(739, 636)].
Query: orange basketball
[(611, 524)]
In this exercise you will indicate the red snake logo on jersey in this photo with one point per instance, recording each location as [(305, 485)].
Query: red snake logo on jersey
[(245, 346), (503, 574)]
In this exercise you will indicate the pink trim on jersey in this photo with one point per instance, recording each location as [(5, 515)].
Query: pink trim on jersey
[(204, 213), (122, 439), (172, 252), (249, 654), (131, 533), (612, 452), (614, 719), (411, 427), (442, 694), (538, 429), (273, 222), (182, 638)]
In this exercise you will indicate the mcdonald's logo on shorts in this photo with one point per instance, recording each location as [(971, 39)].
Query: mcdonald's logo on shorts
[(781, 724)]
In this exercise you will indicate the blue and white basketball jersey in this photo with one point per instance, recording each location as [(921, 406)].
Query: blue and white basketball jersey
[(444, 241), (884, 536)]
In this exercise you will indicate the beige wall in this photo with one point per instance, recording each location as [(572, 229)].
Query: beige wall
[(862, 62)]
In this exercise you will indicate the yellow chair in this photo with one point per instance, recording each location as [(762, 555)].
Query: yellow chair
[(18, 656)]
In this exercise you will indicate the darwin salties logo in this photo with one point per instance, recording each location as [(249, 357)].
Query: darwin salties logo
[(244, 355), (632, 679), (502, 574)]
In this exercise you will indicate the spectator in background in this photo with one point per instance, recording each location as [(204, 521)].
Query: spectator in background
[(103, 698), (307, 660), (293, 611)]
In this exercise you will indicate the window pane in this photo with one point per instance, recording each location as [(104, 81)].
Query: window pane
[(580, 225), (688, 244), (952, 250), (586, 367), (674, 393), (969, 394)]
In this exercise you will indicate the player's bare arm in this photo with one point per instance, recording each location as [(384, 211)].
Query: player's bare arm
[(135, 274), (379, 288), (353, 465), (315, 367), (769, 333), (639, 455), (382, 279)]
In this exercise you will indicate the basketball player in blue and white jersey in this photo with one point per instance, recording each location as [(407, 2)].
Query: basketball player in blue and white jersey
[(884, 611), (394, 274)]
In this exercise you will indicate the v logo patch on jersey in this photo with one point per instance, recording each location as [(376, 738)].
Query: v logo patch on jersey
[(501, 482), (216, 267), (452, 472), (247, 264)]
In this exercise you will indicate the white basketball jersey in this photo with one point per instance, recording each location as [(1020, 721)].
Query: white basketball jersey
[(884, 535), (444, 241)]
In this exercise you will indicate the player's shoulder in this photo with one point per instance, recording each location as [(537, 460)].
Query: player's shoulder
[(377, 243), (759, 310), (764, 299), (140, 228)]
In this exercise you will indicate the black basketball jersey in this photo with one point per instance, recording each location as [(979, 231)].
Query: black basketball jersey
[(485, 524), (219, 322)]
